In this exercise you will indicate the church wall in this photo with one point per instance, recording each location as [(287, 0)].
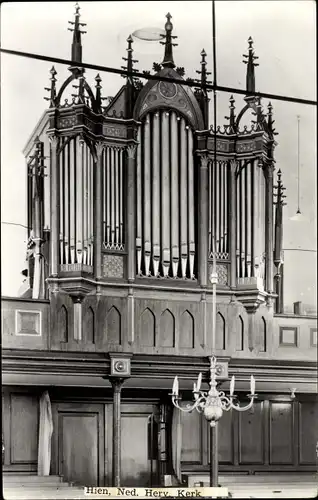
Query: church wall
[(277, 434)]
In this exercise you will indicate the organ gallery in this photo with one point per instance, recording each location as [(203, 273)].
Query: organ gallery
[(130, 198)]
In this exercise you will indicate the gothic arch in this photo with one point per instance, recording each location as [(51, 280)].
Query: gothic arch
[(263, 335), (90, 325), (186, 335), (167, 329), (183, 101), (113, 326), (220, 340), (147, 328), (240, 334), (63, 324)]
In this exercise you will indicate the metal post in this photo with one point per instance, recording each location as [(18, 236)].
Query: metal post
[(116, 466), (214, 458)]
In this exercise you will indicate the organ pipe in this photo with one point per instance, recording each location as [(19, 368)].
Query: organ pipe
[(147, 193), (184, 199), (139, 205), (76, 203), (156, 193), (175, 194), (165, 194), (121, 211), (191, 203), (79, 200), (72, 201), (165, 197)]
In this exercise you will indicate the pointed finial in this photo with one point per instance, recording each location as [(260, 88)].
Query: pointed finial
[(168, 61), (270, 121), (77, 43), (98, 92), (52, 89), (250, 73)]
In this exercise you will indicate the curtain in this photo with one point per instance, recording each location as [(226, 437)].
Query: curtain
[(45, 434), (176, 438)]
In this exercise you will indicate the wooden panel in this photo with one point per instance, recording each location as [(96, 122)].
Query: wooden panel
[(136, 465), (113, 326), (79, 443), (281, 433), (251, 435), (24, 429), (90, 326), (167, 329), (220, 341), (192, 441), (308, 432), (147, 328), (186, 336)]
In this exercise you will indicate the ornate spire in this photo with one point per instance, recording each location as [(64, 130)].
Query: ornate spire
[(232, 117), (250, 73), (202, 92), (278, 246), (129, 59), (52, 89), (98, 97), (168, 57), (270, 121), (77, 43)]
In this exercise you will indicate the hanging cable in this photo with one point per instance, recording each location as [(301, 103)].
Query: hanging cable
[(147, 76)]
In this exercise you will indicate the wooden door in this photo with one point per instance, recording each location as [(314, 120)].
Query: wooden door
[(79, 443), (139, 444)]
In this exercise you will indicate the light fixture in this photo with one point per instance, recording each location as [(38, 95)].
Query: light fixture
[(298, 217)]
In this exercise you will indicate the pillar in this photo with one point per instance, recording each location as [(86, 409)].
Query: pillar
[(269, 247), (116, 466), (131, 213), (214, 456), (203, 224), (98, 211), (232, 217), (55, 206)]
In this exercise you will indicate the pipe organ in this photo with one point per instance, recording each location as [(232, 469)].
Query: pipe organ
[(218, 209), (113, 198), (165, 187), (76, 175), (250, 216)]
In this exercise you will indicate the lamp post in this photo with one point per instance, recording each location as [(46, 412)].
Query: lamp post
[(212, 403)]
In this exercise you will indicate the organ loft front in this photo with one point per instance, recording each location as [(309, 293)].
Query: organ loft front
[(131, 199)]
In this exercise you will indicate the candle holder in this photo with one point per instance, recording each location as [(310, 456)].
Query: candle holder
[(212, 403)]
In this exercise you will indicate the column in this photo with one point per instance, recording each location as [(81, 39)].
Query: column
[(98, 211), (131, 217), (214, 456), (78, 319), (269, 248), (55, 206), (203, 214), (116, 466), (232, 217)]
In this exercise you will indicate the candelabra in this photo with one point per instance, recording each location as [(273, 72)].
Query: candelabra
[(212, 403)]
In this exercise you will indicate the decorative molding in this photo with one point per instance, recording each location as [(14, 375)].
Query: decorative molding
[(66, 268), (54, 139), (28, 323), (131, 151), (99, 149), (112, 131), (204, 161), (288, 336), (113, 266), (222, 273), (67, 122)]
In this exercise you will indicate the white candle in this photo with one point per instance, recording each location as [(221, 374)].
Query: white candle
[(175, 387), (252, 385), (199, 382), (232, 386), (194, 387)]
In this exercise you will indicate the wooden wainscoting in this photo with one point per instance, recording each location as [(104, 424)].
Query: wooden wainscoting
[(20, 422), (277, 434)]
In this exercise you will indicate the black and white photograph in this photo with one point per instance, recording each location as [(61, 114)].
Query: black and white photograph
[(159, 249)]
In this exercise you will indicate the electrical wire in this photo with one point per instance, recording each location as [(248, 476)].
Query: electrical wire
[(147, 76)]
